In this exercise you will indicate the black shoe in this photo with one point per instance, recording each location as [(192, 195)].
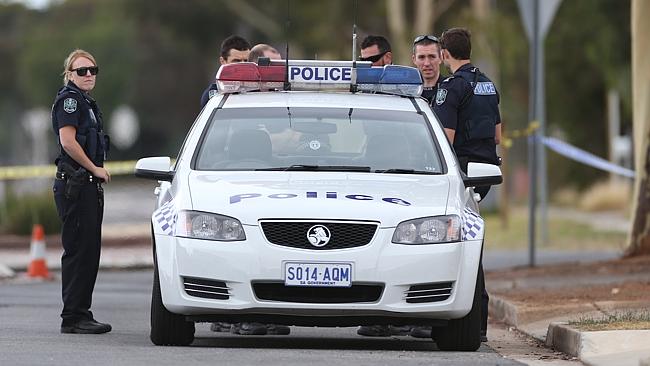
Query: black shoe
[(248, 329), (421, 331), (277, 329), (399, 330), (484, 336), (220, 327), (86, 327), (374, 331)]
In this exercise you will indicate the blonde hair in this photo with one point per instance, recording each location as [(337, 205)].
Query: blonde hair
[(67, 64)]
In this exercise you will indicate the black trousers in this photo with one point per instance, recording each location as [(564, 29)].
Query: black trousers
[(483, 191), (485, 297), (81, 237)]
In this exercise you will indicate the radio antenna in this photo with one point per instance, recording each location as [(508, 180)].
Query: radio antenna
[(353, 84), (287, 84)]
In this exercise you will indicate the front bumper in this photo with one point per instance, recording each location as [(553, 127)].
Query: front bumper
[(239, 264)]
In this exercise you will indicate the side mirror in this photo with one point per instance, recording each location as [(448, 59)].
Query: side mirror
[(481, 174), (156, 168)]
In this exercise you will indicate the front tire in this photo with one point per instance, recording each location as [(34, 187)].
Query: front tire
[(167, 328), (463, 334)]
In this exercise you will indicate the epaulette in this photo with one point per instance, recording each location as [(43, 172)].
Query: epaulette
[(65, 89), (448, 79)]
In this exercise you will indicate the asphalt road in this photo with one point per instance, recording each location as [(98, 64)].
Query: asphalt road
[(29, 335)]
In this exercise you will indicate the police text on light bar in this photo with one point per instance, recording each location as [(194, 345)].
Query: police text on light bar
[(319, 76)]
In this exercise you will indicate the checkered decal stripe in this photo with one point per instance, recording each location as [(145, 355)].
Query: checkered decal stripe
[(472, 224), (165, 218)]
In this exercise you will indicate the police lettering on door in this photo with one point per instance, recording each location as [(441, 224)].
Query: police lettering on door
[(312, 74), (312, 195)]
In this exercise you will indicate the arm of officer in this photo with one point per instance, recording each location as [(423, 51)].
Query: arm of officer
[(71, 146), (497, 133), (451, 133)]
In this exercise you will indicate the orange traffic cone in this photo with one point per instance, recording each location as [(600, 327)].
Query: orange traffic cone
[(37, 266)]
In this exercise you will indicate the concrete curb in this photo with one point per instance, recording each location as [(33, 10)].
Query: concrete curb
[(620, 347), (563, 338), (503, 310), (600, 347)]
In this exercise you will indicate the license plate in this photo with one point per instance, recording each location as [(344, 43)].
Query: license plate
[(318, 274)]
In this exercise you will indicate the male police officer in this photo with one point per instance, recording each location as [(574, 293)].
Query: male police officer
[(467, 104), (426, 57), (263, 50), (233, 49), (376, 49)]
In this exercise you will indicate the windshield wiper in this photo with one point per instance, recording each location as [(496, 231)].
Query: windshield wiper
[(332, 168), (404, 171)]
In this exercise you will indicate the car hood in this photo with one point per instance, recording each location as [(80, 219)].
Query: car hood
[(386, 198)]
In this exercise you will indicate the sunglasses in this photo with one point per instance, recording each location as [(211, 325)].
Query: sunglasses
[(421, 38), (83, 71), (373, 58)]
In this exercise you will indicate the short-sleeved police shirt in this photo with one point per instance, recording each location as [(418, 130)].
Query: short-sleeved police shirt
[(453, 92), (208, 93), (69, 111), (468, 103), (73, 107)]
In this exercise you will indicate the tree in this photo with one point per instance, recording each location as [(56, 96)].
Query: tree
[(639, 241), (425, 15)]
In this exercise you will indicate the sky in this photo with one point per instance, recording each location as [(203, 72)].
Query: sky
[(33, 4)]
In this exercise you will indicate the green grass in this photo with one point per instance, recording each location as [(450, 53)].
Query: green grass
[(562, 234), (619, 320), (19, 214)]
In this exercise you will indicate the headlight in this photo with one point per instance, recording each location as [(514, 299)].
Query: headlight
[(428, 230), (208, 226)]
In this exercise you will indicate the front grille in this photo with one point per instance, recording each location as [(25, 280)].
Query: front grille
[(343, 234), (207, 289), (318, 295), (429, 292)]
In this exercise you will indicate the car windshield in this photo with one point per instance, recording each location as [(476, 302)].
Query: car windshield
[(312, 139)]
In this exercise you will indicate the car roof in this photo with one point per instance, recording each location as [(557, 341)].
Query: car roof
[(309, 99)]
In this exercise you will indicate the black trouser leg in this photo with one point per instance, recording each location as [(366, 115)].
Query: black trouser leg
[(483, 191), (484, 304), (81, 238)]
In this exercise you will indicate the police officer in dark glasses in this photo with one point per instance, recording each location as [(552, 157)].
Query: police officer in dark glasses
[(376, 49), (78, 193)]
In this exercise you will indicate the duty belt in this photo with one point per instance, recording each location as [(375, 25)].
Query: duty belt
[(91, 178)]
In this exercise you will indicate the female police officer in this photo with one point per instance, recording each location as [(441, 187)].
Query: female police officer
[(78, 193)]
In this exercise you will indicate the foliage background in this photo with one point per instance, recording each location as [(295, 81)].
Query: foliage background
[(158, 56)]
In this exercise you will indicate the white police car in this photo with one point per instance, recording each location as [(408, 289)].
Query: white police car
[(317, 207)]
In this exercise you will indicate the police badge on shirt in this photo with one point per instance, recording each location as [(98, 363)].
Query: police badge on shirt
[(70, 105), (441, 96)]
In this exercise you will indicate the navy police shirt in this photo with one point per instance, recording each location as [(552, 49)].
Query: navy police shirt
[(74, 107), (429, 92), (468, 103), (208, 93)]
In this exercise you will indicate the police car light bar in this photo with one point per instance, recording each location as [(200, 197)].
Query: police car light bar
[(319, 75), (391, 79)]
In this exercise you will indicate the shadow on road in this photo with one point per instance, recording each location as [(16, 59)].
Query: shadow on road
[(320, 343)]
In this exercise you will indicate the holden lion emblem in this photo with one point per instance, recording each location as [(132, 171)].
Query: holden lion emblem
[(318, 235)]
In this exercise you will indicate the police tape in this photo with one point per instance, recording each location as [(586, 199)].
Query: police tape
[(48, 171), (508, 136), (584, 157)]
